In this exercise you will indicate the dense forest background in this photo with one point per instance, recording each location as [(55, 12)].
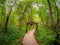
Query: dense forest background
[(16, 14)]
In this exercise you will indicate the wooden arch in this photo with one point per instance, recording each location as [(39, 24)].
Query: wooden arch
[(31, 23)]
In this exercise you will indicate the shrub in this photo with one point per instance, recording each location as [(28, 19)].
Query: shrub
[(11, 37), (45, 36)]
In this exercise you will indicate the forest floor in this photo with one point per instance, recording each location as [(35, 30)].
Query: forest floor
[(29, 38)]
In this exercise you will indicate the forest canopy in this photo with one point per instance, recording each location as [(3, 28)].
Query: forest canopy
[(20, 16)]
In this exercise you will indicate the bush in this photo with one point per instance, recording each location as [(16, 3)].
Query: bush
[(44, 36), (13, 36), (58, 31)]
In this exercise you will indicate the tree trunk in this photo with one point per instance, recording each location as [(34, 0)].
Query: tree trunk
[(6, 23), (51, 17), (57, 22), (57, 15), (7, 20)]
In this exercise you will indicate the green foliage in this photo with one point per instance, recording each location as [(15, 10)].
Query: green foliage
[(45, 36), (30, 27), (22, 12), (58, 31), (11, 37)]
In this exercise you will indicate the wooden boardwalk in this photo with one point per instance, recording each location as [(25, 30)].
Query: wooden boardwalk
[(29, 38)]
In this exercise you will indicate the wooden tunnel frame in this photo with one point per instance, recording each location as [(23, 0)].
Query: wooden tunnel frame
[(31, 23)]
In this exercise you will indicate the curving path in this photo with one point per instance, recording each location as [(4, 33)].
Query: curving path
[(29, 38)]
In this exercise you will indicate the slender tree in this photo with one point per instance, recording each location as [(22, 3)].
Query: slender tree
[(51, 16), (21, 17), (57, 14), (57, 22), (54, 27), (7, 19)]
